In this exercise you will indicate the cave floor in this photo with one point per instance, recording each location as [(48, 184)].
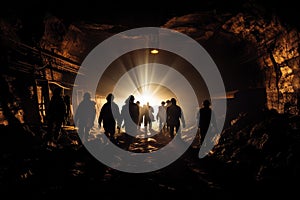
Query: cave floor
[(67, 169)]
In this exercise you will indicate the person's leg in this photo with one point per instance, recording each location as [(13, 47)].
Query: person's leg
[(172, 131), (86, 132), (146, 123), (57, 130), (130, 137), (160, 125), (48, 138), (202, 134), (80, 131), (111, 132), (177, 128)]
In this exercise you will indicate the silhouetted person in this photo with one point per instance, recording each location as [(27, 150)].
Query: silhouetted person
[(205, 118), (161, 116), (130, 117), (68, 116), (110, 117), (140, 114), (56, 113), (148, 116), (174, 115), (85, 116), (168, 103), (30, 107)]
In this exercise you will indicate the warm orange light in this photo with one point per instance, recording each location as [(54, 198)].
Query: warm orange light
[(154, 51)]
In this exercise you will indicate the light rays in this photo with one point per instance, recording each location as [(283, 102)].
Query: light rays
[(153, 78), (146, 83)]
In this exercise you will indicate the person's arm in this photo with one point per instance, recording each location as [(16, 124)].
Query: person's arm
[(117, 116), (122, 118), (214, 122), (198, 118), (76, 116), (92, 116), (167, 114), (151, 109), (182, 119), (100, 118)]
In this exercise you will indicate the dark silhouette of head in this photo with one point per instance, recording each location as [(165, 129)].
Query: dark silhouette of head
[(168, 102), (131, 98), (67, 97), (110, 97), (173, 101), (87, 96), (57, 91), (206, 103)]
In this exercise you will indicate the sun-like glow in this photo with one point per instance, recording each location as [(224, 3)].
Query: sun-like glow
[(154, 83), (147, 97)]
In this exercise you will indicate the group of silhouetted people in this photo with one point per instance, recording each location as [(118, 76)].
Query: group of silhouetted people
[(58, 114), (132, 115)]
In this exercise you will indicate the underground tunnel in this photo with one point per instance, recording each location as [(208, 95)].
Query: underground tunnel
[(254, 47)]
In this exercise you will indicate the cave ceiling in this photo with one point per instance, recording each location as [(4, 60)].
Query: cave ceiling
[(239, 35)]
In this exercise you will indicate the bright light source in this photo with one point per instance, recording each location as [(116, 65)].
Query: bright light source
[(147, 97), (154, 51)]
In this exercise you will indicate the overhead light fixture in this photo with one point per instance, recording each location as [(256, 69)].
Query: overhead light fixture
[(154, 51)]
